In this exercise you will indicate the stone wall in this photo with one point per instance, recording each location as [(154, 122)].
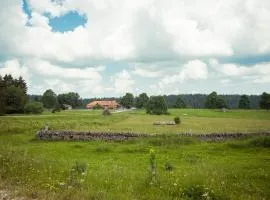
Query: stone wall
[(89, 135), (120, 136)]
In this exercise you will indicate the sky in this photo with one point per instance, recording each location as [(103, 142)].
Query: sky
[(103, 48)]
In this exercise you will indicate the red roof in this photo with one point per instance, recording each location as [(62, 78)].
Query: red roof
[(109, 104)]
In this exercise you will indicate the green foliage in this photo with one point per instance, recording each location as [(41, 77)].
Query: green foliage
[(70, 98), (102, 148), (157, 106), (168, 166), (244, 102), (213, 101), (49, 99), (260, 142), (15, 100), (153, 165), (177, 120), (49, 168), (199, 192), (127, 101), (179, 103), (265, 101), (33, 107), (13, 95), (77, 175), (141, 101), (3, 92)]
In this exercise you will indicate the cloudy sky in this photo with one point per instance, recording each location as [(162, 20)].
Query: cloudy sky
[(109, 47)]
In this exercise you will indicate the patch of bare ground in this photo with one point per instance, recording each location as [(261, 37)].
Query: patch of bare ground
[(8, 195)]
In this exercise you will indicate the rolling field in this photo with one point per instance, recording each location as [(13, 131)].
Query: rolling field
[(185, 168)]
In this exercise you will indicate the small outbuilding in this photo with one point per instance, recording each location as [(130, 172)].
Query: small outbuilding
[(67, 107)]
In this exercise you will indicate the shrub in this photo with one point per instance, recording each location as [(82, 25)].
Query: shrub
[(260, 142), (200, 192), (168, 166), (106, 112), (33, 107), (177, 120)]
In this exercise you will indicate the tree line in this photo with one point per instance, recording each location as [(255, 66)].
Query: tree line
[(14, 99), (211, 101)]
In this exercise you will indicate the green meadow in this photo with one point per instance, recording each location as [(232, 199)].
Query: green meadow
[(165, 166)]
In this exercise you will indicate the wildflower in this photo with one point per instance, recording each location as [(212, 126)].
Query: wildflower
[(205, 194), (62, 184)]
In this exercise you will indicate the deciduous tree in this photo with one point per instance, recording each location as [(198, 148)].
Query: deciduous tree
[(157, 105), (265, 101), (141, 101), (128, 100), (244, 102), (49, 99)]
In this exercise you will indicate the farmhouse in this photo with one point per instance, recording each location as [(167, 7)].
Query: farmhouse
[(104, 104)]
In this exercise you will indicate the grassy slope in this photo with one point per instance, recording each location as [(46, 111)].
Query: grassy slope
[(234, 170)]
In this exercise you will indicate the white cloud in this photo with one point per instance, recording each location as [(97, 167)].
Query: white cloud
[(14, 68), (142, 33), (259, 73), (193, 70), (124, 30), (45, 68), (147, 70), (123, 82)]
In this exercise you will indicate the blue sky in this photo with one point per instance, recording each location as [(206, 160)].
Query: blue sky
[(108, 48)]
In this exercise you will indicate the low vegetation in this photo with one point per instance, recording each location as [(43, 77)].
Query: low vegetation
[(162, 167)]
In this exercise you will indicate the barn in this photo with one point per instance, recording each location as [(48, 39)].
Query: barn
[(104, 104)]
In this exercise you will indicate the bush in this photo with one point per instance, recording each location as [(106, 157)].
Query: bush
[(168, 166), (106, 112), (260, 142), (200, 192), (33, 107), (56, 109), (177, 120)]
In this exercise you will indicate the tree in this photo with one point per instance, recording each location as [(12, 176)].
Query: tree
[(265, 101), (127, 101), (179, 103), (157, 105), (3, 93), (21, 84), (244, 102), (213, 101), (49, 99), (70, 98), (15, 100), (33, 107), (141, 101)]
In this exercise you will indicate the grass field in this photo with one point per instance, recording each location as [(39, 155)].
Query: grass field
[(186, 168)]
